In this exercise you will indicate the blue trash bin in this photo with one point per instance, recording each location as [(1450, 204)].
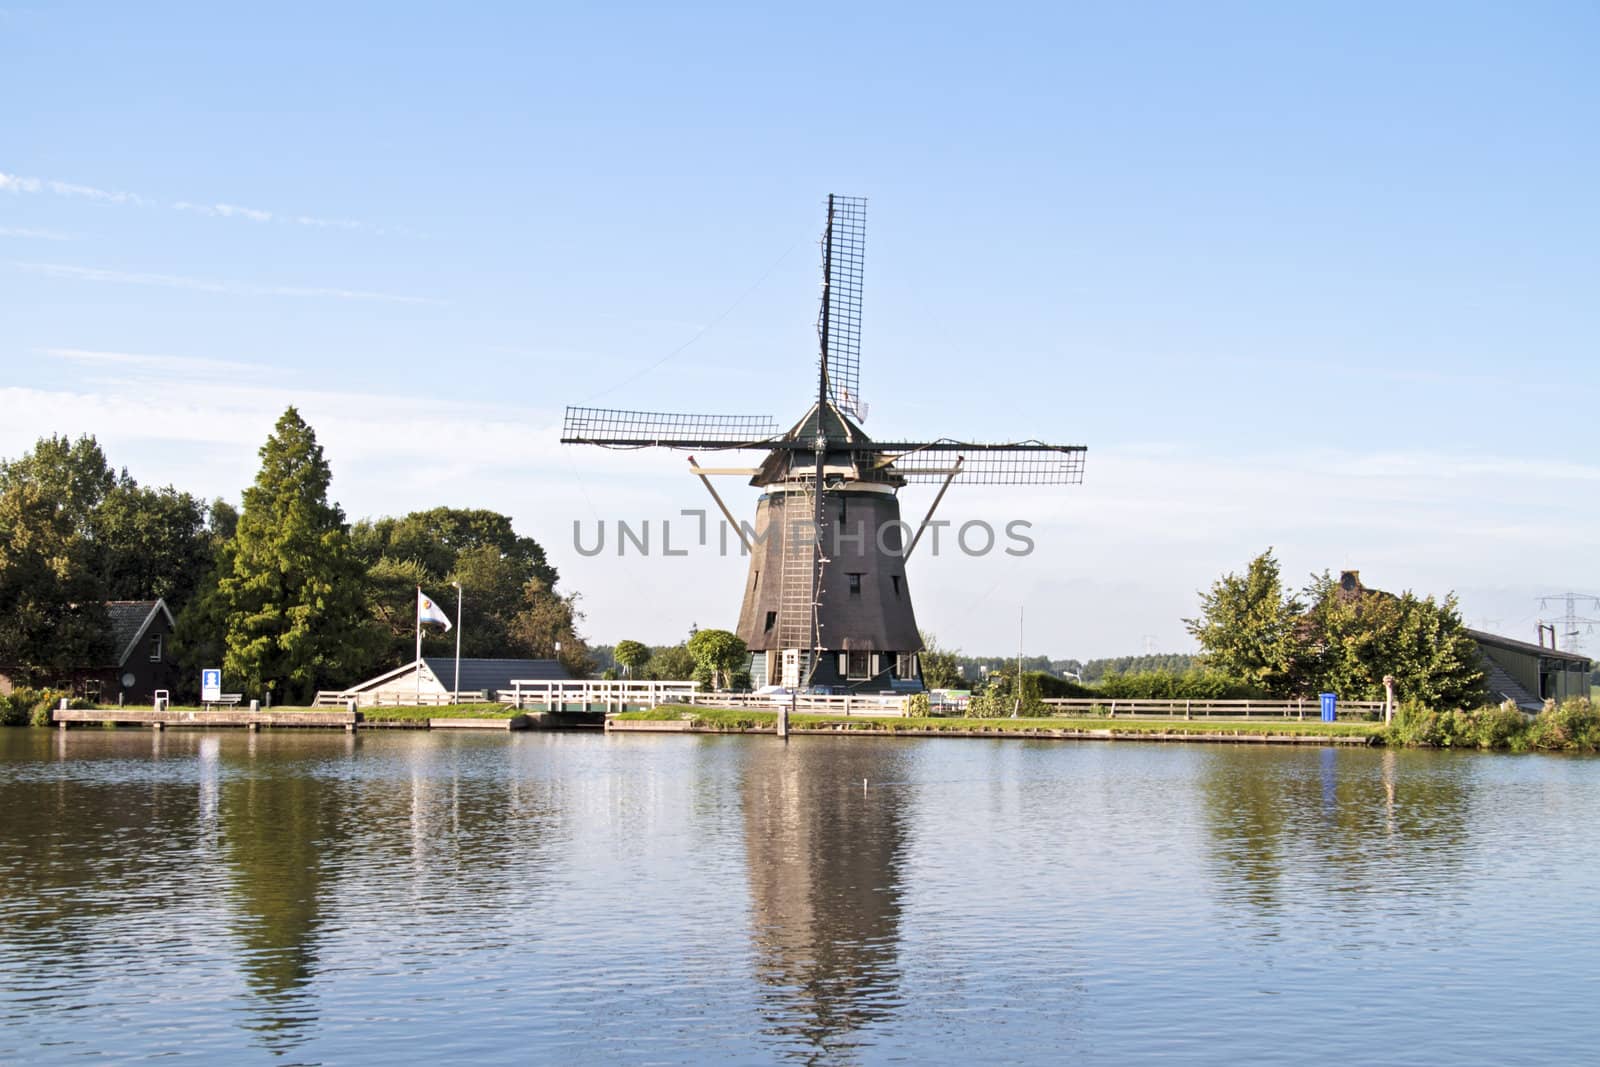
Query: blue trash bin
[(1330, 706)]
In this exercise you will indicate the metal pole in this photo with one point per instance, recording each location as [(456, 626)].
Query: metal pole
[(418, 666), (1016, 708), (455, 690)]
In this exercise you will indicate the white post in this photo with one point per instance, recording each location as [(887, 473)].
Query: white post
[(418, 675), (455, 691)]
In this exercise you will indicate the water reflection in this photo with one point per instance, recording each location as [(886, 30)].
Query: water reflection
[(282, 836), (1337, 824), (825, 863)]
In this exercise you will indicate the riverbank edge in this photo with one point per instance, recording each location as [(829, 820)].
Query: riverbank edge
[(659, 727), (697, 721)]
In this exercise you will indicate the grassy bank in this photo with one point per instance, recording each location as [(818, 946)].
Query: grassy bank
[(749, 719), (1572, 727), (413, 713)]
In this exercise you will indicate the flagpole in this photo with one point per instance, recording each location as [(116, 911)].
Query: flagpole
[(455, 693), (419, 646)]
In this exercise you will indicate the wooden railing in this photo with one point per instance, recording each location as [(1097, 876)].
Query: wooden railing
[(866, 704), (600, 695), (1189, 709)]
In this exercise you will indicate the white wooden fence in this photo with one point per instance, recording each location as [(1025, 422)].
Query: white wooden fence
[(1221, 709), (866, 704), (602, 695)]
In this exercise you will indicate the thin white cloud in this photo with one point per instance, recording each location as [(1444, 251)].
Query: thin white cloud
[(16, 183), (187, 366), (224, 211), (215, 285), (34, 234)]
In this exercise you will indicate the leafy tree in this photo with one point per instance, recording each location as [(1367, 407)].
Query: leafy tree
[(72, 475), (1250, 630), (632, 655), (940, 668), (719, 652), (51, 614), (1171, 662), (545, 618), (292, 597), (671, 663), (1359, 638), (152, 543), (480, 550)]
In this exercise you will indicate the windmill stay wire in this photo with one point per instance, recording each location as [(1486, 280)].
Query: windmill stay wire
[(700, 333)]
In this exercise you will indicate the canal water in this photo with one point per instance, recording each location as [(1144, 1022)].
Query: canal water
[(383, 897)]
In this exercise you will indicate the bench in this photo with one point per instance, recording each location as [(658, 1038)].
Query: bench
[(232, 700)]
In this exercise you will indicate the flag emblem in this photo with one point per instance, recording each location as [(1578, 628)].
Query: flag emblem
[(428, 611)]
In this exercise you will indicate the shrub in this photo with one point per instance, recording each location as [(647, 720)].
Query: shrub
[(917, 705), (1501, 727), (1573, 725), (1193, 684), (31, 707)]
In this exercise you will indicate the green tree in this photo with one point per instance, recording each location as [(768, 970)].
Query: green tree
[(719, 652), (546, 618), (292, 596), (152, 543), (1250, 630), (52, 616), (72, 475), (477, 548), (941, 669), (671, 663), (632, 655), (1358, 638)]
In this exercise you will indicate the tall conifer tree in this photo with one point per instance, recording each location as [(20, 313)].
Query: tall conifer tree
[(292, 596)]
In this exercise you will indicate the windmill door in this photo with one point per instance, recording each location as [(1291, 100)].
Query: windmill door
[(791, 667)]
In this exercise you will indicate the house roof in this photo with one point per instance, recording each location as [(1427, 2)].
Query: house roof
[(488, 675), (492, 675), (1496, 640), (130, 621)]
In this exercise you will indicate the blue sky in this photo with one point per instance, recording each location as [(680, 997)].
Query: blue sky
[(1320, 278)]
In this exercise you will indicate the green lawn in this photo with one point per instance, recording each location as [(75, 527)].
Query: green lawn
[(741, 718), (446, 711)]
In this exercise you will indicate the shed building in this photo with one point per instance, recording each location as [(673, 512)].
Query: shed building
[(433, 678), (1530, 674)]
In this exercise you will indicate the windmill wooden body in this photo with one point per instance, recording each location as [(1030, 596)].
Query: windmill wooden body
[(827, 601)]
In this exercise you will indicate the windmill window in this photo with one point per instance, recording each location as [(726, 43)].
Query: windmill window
[(905, 665), (772, 620), (155, 648), (895, 578), (859, 662), (755, 579), (855, 584)]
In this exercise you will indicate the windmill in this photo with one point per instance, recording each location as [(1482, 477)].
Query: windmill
[(826, 602)]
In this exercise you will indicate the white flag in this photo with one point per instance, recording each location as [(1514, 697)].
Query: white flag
[(428, 611)]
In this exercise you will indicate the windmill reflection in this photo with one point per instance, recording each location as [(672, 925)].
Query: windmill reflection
[(826, 869)]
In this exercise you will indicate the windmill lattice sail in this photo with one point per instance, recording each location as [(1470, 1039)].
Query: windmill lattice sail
[(844, 249)]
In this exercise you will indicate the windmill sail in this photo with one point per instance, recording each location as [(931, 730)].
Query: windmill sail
[(843, 247)]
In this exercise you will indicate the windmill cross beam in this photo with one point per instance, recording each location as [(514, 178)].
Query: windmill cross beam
[(845, 619)]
